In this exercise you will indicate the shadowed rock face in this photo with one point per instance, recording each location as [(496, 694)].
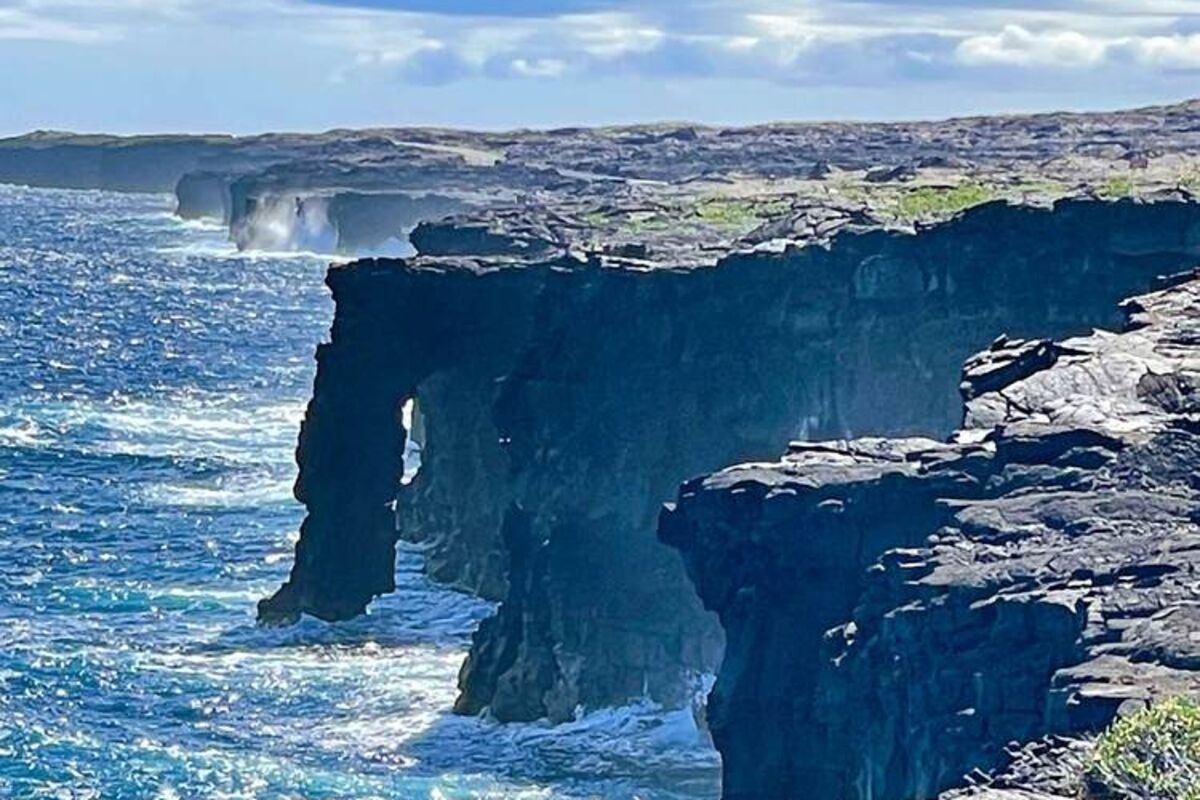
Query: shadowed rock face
[(204, 195), (564, 399), (152, 164), (341, 222), (899, 610), (370, 222), (442, 338)]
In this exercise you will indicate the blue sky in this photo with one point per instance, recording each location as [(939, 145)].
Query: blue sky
[(255, 65)]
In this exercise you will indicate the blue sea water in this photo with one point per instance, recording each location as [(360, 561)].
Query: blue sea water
[(152, 382)]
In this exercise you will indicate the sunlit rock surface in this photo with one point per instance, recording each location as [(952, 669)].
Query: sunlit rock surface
[(902, 614)]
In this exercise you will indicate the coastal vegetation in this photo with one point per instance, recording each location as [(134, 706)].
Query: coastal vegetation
[(1153, 754)]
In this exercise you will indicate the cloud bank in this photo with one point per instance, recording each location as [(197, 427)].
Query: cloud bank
[(807, 42), (567, 61), (796, 41)]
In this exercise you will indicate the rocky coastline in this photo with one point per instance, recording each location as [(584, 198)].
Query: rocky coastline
[(672, 188), (952, 579)]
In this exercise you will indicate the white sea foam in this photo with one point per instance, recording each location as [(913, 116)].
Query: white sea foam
[(176, 425), (284, 223), (229, 251), (200, 225), (227, 493), (23, 431)]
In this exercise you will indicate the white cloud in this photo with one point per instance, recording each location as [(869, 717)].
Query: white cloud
[(607, 36), (815, 42), (829, 42), (538, 68), (1167, 52), (1016, 46), (84, 21), (18, 23), (372, 43)]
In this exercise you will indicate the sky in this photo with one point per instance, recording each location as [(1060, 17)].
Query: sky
[(245, 66)]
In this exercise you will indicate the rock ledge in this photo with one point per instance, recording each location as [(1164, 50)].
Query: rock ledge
[(899, 612)]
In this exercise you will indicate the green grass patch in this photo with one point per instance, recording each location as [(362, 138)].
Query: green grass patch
[(1151, 755), (737, 214), (595, 219), (1191, 181), (1118, 186), (641, 224), (855, 193), (1044, 187), (940, 201)]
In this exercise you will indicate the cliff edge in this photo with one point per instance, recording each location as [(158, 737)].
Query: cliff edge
[(560, 396), (902, 615)]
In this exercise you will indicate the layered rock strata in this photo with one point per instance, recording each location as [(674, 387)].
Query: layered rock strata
[(565, 394), (899, 611)]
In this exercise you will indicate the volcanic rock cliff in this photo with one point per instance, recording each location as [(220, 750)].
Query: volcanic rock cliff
[(898, 611), (564, 393)]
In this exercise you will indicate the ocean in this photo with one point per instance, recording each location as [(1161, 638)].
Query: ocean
[(152, 385)]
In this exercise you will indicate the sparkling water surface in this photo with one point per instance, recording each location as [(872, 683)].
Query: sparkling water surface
[(151, 389)]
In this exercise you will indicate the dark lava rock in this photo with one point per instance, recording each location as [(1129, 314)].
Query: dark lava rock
[(902, 172), (413, 175), (898, 611), (496, 234), (810, 223), (564, 399)]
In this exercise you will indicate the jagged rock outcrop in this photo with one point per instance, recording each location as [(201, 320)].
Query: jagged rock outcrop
[(441, 339), (1050, 768), (898, 611), (565, 396)]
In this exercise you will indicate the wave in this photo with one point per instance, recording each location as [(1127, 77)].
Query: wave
[(142, 528), (617, 751), (174, 425), (226, 250), (199, 225), (226, 492), (24, 432)]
